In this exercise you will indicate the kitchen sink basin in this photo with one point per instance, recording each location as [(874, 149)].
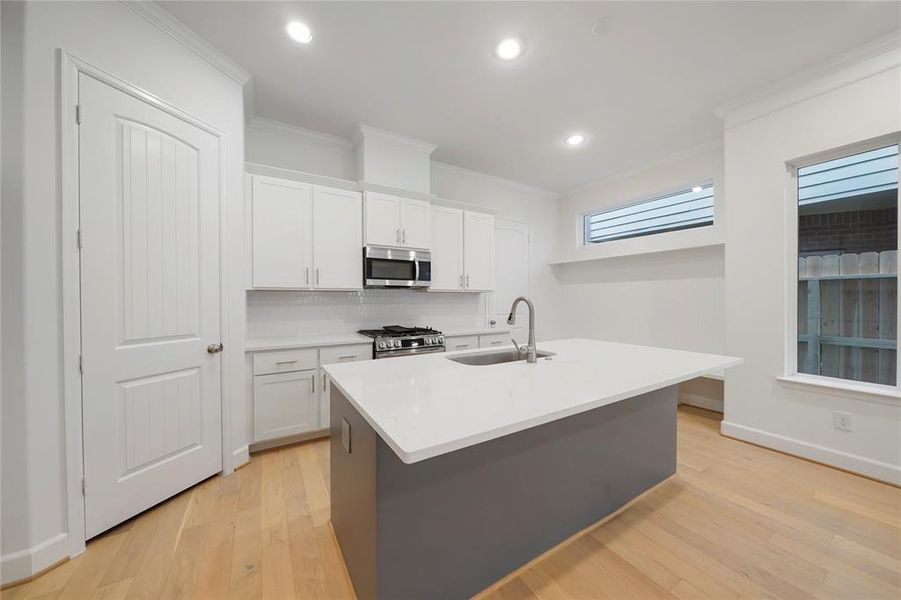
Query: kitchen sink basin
[(494, 358)]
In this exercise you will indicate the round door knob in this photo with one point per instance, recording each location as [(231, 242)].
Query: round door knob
[(215, 348)]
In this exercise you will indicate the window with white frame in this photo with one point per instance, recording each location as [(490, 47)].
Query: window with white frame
[(848, 266), (684, 209)]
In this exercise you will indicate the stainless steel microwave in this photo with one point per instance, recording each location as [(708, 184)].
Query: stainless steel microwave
[(396, 267)]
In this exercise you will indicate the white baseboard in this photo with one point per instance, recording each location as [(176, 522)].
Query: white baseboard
[(240, 456), (876, 469), (25, 563)]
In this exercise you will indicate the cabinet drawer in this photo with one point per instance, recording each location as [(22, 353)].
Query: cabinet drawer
[(494, 340), (285, 361), (462, 343), (339, 354)]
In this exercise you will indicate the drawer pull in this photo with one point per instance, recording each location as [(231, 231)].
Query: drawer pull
[(286, 362), (346, 357), (496, 342), (462, 346)]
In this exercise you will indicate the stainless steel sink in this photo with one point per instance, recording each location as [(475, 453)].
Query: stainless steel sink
[(494, 358)]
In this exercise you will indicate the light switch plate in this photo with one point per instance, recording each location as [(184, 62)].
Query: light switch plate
[(345, 434)]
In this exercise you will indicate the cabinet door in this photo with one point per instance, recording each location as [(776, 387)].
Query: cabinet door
[(478, 251), (337, 354), (494, 340), (381, 219), (415, 223), (284, 404), (282, 233), (447, 249), (337, 239)]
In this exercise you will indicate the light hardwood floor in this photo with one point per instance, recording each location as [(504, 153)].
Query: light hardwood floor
[(737, 521)]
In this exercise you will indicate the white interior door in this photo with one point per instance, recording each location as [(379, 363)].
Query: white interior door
[(337, 239), (513, 251), (149, 212)]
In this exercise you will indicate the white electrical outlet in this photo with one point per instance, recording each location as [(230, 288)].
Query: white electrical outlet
[(841, 420)]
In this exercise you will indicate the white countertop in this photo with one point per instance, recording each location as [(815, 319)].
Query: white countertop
[(340, 339), (425, 406)]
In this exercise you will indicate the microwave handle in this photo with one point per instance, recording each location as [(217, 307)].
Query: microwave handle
[(416, 277)]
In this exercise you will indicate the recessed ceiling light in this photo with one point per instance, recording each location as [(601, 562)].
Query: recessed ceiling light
[(508, 49), (697, 189), (299, 32), (576, 139)]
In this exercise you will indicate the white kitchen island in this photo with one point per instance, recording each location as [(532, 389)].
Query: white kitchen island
[(447, 476)]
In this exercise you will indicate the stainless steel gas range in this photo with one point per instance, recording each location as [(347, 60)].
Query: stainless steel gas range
[(395, 340)]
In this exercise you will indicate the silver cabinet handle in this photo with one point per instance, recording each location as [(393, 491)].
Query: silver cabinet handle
[(462, 346), (313, 384), (323, 381), (317, 275), (307, 281), (346, 357), (467, 281), (397, 235), (496, 342), (285, 362), (215, 348), (461, 280)]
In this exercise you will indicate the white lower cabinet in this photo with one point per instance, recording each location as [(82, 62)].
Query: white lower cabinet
[(463, 342), (331, 355), (285, 404), (495, 340)]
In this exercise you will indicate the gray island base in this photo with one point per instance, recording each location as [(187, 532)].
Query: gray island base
[(450, 526)]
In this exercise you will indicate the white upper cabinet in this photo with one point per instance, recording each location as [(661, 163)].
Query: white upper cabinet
[(305, 236), (397, 222), (337, 239), (282, 232), (382, 220), (415, 223), (447, 249), (478, 251), (462, 250)]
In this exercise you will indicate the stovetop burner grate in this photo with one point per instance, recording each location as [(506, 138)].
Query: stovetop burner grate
[(398, 331)]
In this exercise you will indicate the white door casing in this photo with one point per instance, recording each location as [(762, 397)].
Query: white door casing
[(512, 242), (149, 187)]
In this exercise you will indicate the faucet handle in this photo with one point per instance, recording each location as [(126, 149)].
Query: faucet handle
[(519, 349)]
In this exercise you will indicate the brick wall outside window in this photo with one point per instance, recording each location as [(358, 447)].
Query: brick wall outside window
[(853, 231)]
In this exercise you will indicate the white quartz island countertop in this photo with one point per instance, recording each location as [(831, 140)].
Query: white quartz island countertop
[(426, 406)]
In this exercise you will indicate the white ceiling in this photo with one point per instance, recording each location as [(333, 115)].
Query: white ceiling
[(644, 87)]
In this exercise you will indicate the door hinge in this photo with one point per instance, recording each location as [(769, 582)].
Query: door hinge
[(78, 238), (81, 363), (78, 114)]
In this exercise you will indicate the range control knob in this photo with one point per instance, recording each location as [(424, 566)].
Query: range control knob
[(429, 341), (381, 344), (440, 339)]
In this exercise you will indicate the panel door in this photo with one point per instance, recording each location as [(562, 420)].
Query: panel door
[(282, 233), (284, 404), (447, 249), (337, 239), (381, 219), (416, 223), (512, 250), (478, 252), (149, 215)]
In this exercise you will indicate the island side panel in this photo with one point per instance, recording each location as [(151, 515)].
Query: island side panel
[(353, 492), (452, 525)]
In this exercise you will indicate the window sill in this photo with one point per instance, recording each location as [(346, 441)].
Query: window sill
[(700, 237), (872, 392)]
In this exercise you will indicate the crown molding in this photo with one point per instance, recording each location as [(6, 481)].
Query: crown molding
[(301, 133), (684, 154), (493, 179), (181, 33), (365, 131), (864, 61)]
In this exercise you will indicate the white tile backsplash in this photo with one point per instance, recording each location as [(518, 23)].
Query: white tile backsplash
[(274, 314)]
